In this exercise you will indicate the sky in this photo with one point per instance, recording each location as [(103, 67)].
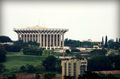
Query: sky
[(84, 19)]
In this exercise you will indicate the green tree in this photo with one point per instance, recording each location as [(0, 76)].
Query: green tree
[(39, 68), (12, 48), (78, 56), (111, 43), (102, 41), (97, 52), (75, 50), (2, 55), (23, 69), (2, 68), (67, 51), (49, 63), (30, 69), (5, 39), (106, 42), (49, 76), (94, 64)]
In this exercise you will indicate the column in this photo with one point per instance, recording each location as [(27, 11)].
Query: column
[(62, 40), (26, 38), (53, 40), (29, 37), (32, 37), (59, 40), (18, 36), (50, 41), (47, 41), (23, 37), (43, 40), (56, 40), (38, 38), (35, 36)]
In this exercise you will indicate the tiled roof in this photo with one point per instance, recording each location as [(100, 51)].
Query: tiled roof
[(108, 72), (29, 76)]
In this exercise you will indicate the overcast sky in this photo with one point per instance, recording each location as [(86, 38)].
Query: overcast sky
[(84, 19)]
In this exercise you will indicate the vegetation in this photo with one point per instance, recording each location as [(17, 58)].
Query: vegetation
[(67, 51), (72, 43), (78, 56), (113, 45), (106, 42), (2, 55), (98, 52), (49, 76), (75, 50), (107, 76), (32, 51), (102, 42), (2, 68), (77, 43), (5, 39), (27, 44), (12, 48), (100, 63), (52, 64)]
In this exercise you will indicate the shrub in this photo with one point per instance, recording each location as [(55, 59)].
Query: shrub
[(2, 55), (12, 48), (75, 50), (32, 51)]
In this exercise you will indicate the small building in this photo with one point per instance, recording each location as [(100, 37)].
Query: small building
[(73, 67)]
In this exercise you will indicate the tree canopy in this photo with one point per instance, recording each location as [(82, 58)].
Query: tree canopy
[(49, 63), (2, 55), (100, 63), (5, 39)]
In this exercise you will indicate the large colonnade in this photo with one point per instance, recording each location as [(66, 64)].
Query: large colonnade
[(48, 38)]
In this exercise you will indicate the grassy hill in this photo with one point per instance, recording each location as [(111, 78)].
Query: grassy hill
[(18, 59)]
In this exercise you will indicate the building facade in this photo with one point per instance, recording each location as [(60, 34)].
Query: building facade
[(73, 67), (48, 38)]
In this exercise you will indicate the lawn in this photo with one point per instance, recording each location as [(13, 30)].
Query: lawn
[(18, 59)]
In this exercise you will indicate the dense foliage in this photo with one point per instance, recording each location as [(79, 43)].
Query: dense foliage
[(67, 51), (52, 64), (106, 42), (27, 44), (2, 68), (107, 76), (49, 63), (13, 48), (98, 52), (31, 69), (77, 43), (100, 63), (5, 39), (72, 43), (113, 45), (49, 76), (2, 55), (32, 51), (75, 50)]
